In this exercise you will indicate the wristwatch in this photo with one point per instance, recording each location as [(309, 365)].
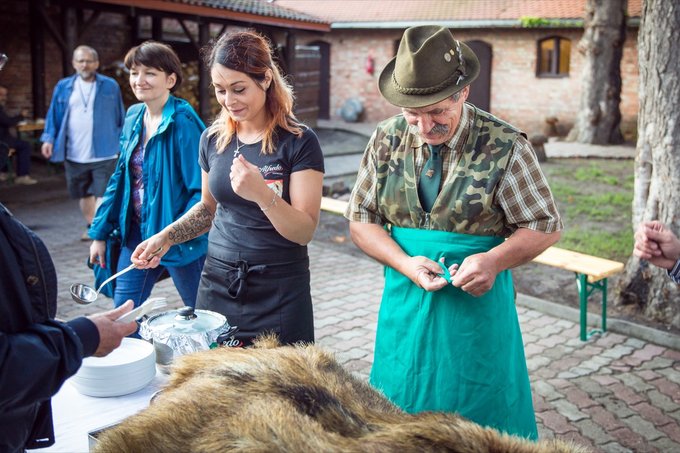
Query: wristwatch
[(674, 273)]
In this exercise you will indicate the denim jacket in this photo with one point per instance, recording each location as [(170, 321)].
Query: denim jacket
[(109, 114), (171, 177)]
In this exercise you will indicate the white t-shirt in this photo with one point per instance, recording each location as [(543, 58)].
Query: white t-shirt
[(81, 123)]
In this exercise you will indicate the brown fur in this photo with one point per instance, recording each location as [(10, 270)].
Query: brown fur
[(291, 399)]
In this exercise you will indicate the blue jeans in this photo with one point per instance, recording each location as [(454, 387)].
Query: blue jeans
[(137, 284)]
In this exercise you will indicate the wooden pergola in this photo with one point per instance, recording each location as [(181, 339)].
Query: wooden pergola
[(262, 15)]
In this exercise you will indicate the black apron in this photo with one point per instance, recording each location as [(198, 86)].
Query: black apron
[(259, 292)]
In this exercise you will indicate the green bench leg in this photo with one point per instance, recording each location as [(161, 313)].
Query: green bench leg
[(585, 289)]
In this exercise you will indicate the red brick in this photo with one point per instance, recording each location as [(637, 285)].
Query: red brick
[(649, 352), (672, 430), (580, 398), (652, 414), (667, 388), (560, 383), (648, 375), (626, 394), (605, 380), (556, 422), (603, 418), (629, 439), (672, 354)]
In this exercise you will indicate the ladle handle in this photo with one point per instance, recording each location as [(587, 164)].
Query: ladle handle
[(129, 268)]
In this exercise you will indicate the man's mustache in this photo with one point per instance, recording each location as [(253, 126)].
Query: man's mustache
[(439, 129)]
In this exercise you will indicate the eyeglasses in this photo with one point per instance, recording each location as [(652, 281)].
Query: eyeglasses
[(85, 61)]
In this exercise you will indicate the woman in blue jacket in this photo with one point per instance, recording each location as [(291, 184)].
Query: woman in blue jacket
[(157, 178)]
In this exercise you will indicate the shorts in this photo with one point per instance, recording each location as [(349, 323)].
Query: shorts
[(90, 179)]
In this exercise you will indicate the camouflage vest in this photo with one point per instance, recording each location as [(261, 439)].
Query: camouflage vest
[(466, 202)]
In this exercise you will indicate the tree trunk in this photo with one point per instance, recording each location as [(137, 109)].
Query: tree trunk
[(657, 163), (599, 118)]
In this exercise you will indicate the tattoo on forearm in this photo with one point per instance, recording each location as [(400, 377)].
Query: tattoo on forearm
[(192, 224)]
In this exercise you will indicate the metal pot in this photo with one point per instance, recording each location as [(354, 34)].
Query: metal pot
[(183, 331)]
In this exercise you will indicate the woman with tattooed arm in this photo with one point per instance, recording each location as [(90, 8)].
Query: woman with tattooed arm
[(261, 196)]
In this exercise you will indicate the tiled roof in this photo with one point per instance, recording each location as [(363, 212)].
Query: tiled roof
[(258, 7), (444, 10), (251, 11)]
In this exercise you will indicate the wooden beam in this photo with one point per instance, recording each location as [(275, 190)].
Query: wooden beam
[(188, 33), (37, 42), (203, 74)]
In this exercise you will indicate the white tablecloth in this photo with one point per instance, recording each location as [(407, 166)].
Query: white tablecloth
[(75, 415)]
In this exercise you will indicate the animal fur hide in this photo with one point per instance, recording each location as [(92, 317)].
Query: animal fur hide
[(292, 399)]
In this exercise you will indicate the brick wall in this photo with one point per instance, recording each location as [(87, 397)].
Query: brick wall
[(109, 35), (517, 94)]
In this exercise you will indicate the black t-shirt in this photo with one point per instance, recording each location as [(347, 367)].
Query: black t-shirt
[(239, 224)]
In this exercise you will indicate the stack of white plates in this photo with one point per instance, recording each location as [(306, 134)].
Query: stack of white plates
[(127, 369)]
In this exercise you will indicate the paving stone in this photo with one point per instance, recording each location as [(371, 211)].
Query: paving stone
[(569, 410), (537, 362), (664, 444), (556, 422), (643, 427), (610, 339), (671, 374), (668, 388), (635, 343), (672, 430), (617, 406), (652, 414), (657, 363), (631, 440), (608, 421), (635, 382), (547, 391), (593, 431), (615, 447), (578, 397), (672, 355), (617, 351)]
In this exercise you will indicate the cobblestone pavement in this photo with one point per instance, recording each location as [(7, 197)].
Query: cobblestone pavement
[(613, 393)]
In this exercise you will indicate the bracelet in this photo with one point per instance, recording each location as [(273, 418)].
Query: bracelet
[(270, 205)]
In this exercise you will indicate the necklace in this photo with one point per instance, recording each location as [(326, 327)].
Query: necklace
[(240, 145), (85, 99)]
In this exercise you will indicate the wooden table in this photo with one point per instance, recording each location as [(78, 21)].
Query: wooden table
[(30, 126)]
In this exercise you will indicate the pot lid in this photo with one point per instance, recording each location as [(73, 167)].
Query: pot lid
[(187, 321)]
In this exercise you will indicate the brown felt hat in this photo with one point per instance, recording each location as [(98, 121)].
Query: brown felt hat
[(429, 67)]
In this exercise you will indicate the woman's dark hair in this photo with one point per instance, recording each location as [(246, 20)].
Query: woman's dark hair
[(251, 54), (156, 55)]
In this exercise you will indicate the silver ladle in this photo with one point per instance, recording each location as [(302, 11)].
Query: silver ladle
[(85, 294)]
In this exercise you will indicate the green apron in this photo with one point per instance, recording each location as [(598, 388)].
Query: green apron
[(450, 351)]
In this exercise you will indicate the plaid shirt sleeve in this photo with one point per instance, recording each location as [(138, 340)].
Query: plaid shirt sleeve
[(363, 204), (524, 194)]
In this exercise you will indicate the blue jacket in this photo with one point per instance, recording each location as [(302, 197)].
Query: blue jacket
[(171, 177), (37, 353), (109, 114)]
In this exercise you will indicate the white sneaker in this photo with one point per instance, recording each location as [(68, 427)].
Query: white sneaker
[(25, 180), (4, 177)]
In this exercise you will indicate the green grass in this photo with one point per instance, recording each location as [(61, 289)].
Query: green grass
[(594, 197)]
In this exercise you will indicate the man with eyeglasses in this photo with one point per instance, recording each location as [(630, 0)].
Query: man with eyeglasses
[(450, 198), (82, 129)]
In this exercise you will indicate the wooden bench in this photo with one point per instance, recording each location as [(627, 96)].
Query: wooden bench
[(591, 275), (591, 272)]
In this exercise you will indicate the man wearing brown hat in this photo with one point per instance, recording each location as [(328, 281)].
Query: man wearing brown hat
[(440, 188)]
